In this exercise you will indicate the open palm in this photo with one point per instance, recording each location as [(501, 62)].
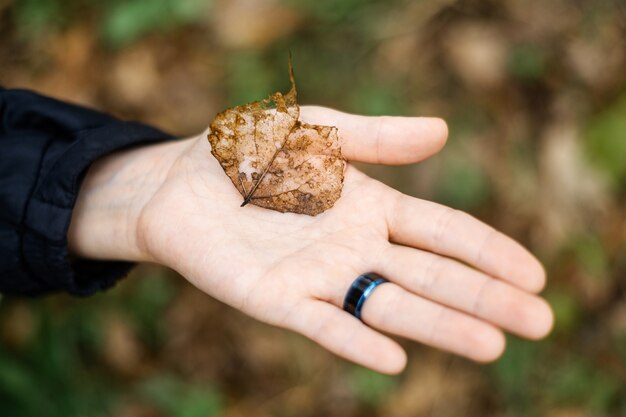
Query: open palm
[(456, 283)]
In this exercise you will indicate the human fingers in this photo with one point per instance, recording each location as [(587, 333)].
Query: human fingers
[(453, 233), (346, 336), (382, 139), (463, 288), (392, 309)]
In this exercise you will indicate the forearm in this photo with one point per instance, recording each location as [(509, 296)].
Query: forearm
[(111, 200)]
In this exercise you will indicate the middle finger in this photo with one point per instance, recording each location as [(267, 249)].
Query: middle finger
[(463, 288)]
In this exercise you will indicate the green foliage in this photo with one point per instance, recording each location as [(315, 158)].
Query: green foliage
[(59, 372), (121, 21), (373, 98), (513, 374), (333, 11), (126, 21), (574, 381), (17, 387), (567, 311), (528, 61), (590, 253), (177, 398), (52, 376), (147, 302), (463, 184), (605, 140), (34, 17), (528, 385), (251, 78), (370, 387)]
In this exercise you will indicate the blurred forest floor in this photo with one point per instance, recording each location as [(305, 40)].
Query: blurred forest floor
[(535, 96)]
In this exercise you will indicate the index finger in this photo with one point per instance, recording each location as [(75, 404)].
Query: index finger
[(455, 234)]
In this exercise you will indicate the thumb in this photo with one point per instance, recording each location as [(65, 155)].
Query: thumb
[(386, 140)]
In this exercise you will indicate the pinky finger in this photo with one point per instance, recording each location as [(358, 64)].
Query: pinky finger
[(348, 337)]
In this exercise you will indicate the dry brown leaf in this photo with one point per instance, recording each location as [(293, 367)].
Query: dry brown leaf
[(276, 161)]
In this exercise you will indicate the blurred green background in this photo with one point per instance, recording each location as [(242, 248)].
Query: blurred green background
[(535, 96)]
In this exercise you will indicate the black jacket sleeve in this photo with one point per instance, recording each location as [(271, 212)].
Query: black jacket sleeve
[(46, 147)]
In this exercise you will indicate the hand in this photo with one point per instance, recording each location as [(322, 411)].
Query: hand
[(456, 283)]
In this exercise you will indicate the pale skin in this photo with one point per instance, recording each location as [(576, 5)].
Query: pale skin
[(456, 283)]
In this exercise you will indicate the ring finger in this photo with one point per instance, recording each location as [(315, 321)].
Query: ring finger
[(392, 309)]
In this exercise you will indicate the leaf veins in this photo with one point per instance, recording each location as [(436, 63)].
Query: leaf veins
[(276, 161)]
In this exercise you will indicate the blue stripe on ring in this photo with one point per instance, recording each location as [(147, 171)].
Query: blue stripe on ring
[(366, 293)]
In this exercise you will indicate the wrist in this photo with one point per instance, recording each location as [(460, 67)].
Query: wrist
[(115, 191)]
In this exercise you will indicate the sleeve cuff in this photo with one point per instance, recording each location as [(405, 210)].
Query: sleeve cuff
[(49, 211)]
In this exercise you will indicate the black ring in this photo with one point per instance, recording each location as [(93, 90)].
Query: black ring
[(359, 291)]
